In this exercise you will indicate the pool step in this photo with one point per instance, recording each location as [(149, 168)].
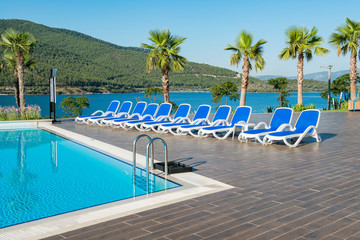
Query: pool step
[(140, 182)]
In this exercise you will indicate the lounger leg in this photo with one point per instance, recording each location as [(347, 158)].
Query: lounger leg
[(233, 132), (158, 130), (259, 139), (297, 142), (266, 141), (194, 134), (138, 127), (241, 138), (201, 134), (172, 132), (219, 137), (288, 144), (223, 137), (316, 136)]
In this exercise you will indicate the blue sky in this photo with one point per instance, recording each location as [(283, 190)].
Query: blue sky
[(209, 25)]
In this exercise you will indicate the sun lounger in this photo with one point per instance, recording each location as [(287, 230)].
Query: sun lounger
[(148, 113), (240, 119), (162, 114), (281, 117), (181, 115), (136, 114), (306, 125), (123, 112), (111, 110), (220, 119), (201, 115)]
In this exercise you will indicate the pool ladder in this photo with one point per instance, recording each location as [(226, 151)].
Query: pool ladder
[(149, 149)]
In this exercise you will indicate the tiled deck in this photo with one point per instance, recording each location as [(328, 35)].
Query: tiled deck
[(310, 192)]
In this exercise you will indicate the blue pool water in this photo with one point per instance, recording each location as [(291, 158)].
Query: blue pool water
[(42, 175)]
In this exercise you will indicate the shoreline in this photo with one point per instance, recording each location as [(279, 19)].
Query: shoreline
[(133, 92)]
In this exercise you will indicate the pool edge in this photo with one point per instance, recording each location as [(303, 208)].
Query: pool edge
[(194, 185)]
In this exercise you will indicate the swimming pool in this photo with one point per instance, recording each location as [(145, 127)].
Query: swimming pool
[(43, 175)]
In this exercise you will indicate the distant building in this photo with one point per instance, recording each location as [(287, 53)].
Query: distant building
[(238, 75)]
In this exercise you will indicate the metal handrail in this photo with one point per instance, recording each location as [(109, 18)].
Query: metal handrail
[(150, 144), (134, 153)]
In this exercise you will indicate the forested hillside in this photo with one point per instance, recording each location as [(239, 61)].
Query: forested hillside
[(89, 65)]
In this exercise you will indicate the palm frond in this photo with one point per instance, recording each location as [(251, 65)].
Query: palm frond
[(164, 51), (320, 51), (235, 59), (147, 46), (245, 40), (230, 47), (244, 47), (285, 54), (347, 37), (259, 63), (301, 40), (308, 54)]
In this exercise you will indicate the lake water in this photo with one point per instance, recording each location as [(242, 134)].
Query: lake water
[(258, 101)]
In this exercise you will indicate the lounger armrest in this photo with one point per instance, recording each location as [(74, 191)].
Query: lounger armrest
[(109, 112), (98, 111), (200, 120), (312, 127), (221, 122), (186, 119), (145, 116), (181, 120), (135, 114), (122, 115), (284, 126), (162, 118), (261, 124), (240, 123)]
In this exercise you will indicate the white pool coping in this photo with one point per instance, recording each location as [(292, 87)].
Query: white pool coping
[(194, 185)]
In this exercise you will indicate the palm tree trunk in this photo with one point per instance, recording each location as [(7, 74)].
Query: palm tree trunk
[(244, 81), (280, 98), (353, 75), (300, 77), (20, 70), (165, 84), (17, 96)]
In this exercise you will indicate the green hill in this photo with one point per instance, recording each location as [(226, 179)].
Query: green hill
[(87, 64)]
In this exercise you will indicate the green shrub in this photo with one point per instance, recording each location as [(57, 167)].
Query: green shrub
[(269, 109), (300, 107), (75, 105), (344, 105)]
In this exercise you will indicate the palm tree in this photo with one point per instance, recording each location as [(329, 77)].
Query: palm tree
[(20, 44), (244, 49), (164, 55), (301, 44), (347, 39), (10, 60)]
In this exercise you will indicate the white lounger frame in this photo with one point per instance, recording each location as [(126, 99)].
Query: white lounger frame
[(244, 127), (147, 127), (244, 137), (219, 122), (269, 139), (85, 120), (175, 129)]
